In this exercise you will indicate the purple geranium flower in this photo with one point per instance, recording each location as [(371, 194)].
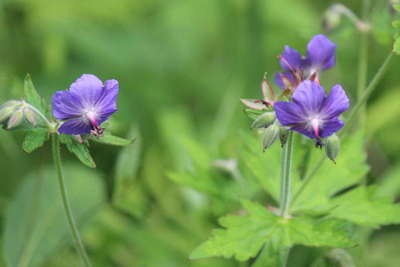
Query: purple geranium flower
[(313, 113), (321, 55), (86, 104)]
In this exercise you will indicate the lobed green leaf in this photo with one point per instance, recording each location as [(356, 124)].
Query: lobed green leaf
[(81, 151), (32, 96), (244, 236), (34, 139)]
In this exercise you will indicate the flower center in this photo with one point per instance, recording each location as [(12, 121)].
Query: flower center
[(315, 123), (91, 115)]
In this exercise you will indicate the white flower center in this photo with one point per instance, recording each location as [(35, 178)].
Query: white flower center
[(315, 122), (91, 114)]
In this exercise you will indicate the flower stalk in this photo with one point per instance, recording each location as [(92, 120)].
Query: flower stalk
[(63, 190), (286, 169)]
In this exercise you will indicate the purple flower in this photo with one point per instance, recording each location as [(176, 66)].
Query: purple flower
[(313, 113), (321, 55), (86, 104)]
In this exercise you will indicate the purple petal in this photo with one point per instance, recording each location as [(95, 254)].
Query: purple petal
[(310, 96), (88, 87), (66, 105), (289, 113), (108, 99), (330, 127), (75, 126), (336, 103), (290, 59), (321, 53), (281, 75), (304, 130)]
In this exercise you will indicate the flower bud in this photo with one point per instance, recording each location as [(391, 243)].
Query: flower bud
[(16, 118), (267, 91), (331, 18), (264, 120), (270, 135), (30, 115), (8, 108), (332, 147), (253, 104)]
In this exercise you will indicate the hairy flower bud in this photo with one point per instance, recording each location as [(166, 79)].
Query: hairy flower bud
[(16, 118), (332, 147), (270, 135), (30, 115), (8, 108), (264, 120)]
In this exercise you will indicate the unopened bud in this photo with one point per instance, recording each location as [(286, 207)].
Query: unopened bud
[(8, 108), (264, 120), (270, 135), (283, 135), (253, 104), (30, 115), (16, 118), (331, 18), (267, 91), (332, 147)]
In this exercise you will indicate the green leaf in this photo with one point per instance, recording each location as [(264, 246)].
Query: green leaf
[(110, 139), (35, 222), (34, 139), (126, 194), (361, 207), (244, 236), (274, 254), (332, 178), (81, 151), (32, 96)]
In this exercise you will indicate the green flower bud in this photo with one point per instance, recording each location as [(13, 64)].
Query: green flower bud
[(270, 135), (332, 147), (16, 118), (264, 120)]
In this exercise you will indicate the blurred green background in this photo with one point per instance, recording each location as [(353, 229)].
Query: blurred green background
[(182, 67)]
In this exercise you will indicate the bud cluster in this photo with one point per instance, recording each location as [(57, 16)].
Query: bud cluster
[(14, 112)]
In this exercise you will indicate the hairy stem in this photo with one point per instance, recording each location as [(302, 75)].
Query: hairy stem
[(63, 190), (357, 107), (286, 169)]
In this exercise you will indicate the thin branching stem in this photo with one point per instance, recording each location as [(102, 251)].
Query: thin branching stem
[(63, 190), (286, 171)]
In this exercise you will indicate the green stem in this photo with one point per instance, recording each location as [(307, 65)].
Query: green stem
[(286, 169), (367, 92), (362, 63), (63, 190), (361, 101)]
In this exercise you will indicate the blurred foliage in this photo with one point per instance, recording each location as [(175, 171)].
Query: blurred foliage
[(182, 67)]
